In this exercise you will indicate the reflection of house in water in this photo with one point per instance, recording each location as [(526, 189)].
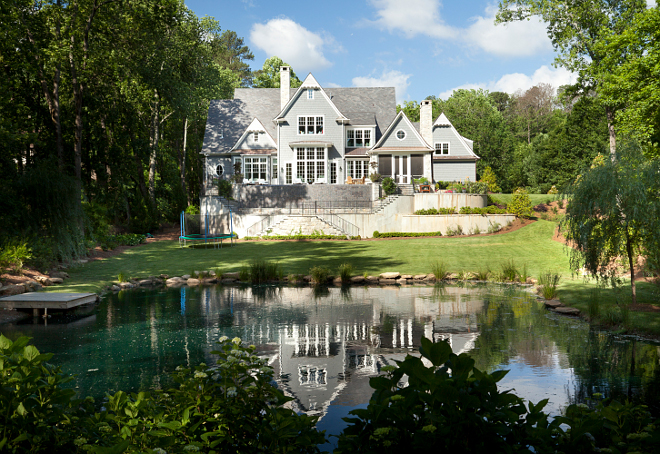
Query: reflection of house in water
[(324, 349)]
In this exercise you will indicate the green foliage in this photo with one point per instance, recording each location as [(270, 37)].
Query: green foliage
[(224, 189), (262, 271), (108, 242), (269, 75), (509, 271), (440, 270), (442, 408), (422, 180), (318, 236), (488, 177), (375, 177), (520, 205), (389, 186), (494, 227), (14, 254), (442, 184), (244, 274), (123, 277), (548, 282), (613, 210), (37, 409), (377, 234), (553, 190), (192, 210), (434, 211), (453, 231), (483, 274), (345, 272), (320, 275)]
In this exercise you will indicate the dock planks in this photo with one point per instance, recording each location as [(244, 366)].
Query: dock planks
[(45, 301)]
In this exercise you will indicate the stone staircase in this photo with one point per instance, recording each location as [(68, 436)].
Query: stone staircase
[(406, 189), (380, 204), (302, 225)]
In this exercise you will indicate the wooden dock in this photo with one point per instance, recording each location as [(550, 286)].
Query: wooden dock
[(45, 301)]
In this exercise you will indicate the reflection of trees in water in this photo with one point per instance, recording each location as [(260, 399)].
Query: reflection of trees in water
[(514, 327)]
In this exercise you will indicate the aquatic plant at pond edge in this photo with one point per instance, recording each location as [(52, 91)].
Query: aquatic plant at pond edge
[(345, 272), (440, 270), (320, 274), (508, 271), (548, 283)]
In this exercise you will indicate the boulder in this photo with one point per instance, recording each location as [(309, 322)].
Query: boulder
[(567, 310), (9, 290), (209, 281), (228, 280), (358, 280), (32, 286), (115, 288), (390, 275), (372, 279), (146, 282), (185, 277), (56, 280), (406, 276), (419, 277), (233, 275), (126, 285), (192, 281), (174, 280), (43, 280), (307, 278), (552, 304), (60, 274), (337, 281), (430, 277), (387, 281)]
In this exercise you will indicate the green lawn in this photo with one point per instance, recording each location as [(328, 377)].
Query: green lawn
[(531, 246)]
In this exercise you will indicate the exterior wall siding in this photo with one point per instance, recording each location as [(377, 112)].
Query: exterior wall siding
[(410, 140), (333, 131), (447, 134), (248, 142), (454, 171)]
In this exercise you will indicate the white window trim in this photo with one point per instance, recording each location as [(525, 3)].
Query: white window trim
[(371, 137), (305, 166), (435, 149), (222, 172), (310, 93), (396, 134), (255, 161), (315, 118)]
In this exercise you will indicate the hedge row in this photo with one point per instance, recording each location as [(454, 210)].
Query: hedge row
[(377, 234), (491, 209)]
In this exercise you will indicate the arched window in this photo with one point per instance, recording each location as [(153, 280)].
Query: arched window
[(219, 170)]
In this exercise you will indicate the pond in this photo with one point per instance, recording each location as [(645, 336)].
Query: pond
[(326, 343)]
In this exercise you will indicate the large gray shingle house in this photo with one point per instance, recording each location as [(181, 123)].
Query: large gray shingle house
[(326, 135)]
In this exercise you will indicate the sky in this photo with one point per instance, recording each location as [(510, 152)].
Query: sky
[(420, 47)]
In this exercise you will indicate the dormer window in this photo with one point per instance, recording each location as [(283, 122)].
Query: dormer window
[(358, 138), (310, 93), (255, 137), (310, 125), (441, 148)]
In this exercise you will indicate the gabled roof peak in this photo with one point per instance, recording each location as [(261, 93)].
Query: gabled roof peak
[(442, 120), (310, 82)]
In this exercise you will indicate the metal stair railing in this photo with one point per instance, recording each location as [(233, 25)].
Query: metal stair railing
[(259, 226), (340, 224)]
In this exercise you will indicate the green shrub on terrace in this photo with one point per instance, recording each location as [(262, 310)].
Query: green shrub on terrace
[(389, 186), (404, 234), (520, 205)]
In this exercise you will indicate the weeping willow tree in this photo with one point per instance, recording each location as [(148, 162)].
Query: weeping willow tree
[(612, 213)]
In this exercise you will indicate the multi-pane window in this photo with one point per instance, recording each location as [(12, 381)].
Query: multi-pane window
[(333, 172), (289, 173), (310, 164), (357, 169), (310, 125), (358, 137), (442, 148), (310, 93), (255, 168), (273, 174), (255, 137)]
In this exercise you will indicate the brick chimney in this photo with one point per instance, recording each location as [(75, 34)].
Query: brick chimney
[(285, 83), (426, 121)]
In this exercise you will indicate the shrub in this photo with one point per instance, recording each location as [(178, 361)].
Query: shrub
[(442, 184), (520, 205), (482, 274), (440, 271), (14, 254), (422, 180), (488, 177), (457, 230), (345, 272), (406, 234), (548, 283), (320, 275), (374, 177), (389, 186), (448, 406), (553, 190), (192, 209), (224, 189), (244, 274), (376, 234), (123, 277), (494, 227)]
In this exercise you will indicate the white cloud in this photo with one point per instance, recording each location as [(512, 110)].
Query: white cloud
[(515, 39), (293, 43), (651, 3), (393, 78), (510, 83), (412, 17)]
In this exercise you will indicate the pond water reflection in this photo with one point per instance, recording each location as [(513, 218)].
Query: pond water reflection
[(326, 343)]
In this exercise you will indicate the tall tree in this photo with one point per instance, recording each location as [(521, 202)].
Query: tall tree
[(269, 75), (534, 108), (575, 28), (231, 53)]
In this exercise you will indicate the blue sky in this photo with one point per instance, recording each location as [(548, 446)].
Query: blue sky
[(421, 47)]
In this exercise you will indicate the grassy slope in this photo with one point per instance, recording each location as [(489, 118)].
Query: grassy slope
[(536, 199), (531, 245)]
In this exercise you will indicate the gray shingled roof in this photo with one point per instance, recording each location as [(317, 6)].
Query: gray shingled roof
[(228, 118)]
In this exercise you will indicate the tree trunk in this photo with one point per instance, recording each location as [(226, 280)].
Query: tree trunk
[(183, 160), (155, 123), (610, 128), (629, 250)]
